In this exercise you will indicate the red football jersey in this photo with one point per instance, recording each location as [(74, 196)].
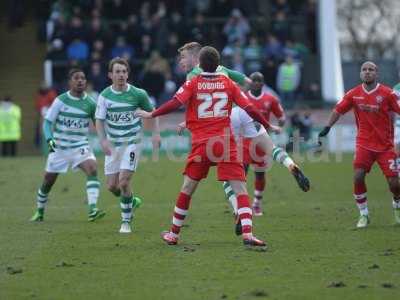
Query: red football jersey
[(372, 110), (267, 104), (208, 98)]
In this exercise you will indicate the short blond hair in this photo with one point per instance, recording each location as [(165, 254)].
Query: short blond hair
[(118, 60), (193, 47)]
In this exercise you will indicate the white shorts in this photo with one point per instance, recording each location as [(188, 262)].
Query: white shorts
[(243, 125), (397, 133), (60, 160), (122, 158)]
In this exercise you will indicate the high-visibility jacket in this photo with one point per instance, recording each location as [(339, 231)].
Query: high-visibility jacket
[(10, 122)]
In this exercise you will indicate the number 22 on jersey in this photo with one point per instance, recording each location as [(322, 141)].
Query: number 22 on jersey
[(212, 109)]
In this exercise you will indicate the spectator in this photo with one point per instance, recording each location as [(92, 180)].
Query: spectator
[(311, 23), (97, 77), (57, 29), (170, 51), (280, 26), (252, 56), (145, 47), (97, 31), (133, 31), (75, 30), (303, 126), (288, 81), (237, 62), (269, 71), (305, 130), (290, 50), (43, 99), (237, 27), (199, 29), (280, 6), (230, 50), (122, 49), (273, 48), (301, 49), (313, 92), (78, 50), (156, 70), (56, 51), (219, 8), (98, 46), (194, 6), (177, 25), (10, 126), (160, 24), (169, 90), (116, 9)]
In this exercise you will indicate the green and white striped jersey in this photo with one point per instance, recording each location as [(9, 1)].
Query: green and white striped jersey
[(117, 109), (71, 116)]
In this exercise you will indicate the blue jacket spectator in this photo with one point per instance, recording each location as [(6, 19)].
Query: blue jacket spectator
[(78, 50), (122, 49)]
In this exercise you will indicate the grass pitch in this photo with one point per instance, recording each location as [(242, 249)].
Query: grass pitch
[(314, 250)]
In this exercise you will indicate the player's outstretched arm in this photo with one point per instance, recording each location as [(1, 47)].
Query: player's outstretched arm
[(334, 117), (164, 109)]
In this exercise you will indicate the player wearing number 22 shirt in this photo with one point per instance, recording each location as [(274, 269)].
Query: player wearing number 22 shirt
[(373, 105), (208, 98)]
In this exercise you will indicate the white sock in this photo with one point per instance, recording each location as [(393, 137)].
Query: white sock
[(396, 203)]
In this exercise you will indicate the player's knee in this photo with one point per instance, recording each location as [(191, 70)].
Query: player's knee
[(92, 171), (394, 185), (260, 175), (49, 179), (359, 176), (123, 184), (112, 187), (189, 186)]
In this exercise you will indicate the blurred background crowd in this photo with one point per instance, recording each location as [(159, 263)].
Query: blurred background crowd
[(251, 35)]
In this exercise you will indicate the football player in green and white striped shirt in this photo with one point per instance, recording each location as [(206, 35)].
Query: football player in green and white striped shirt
[(66, 128), (120, 135)]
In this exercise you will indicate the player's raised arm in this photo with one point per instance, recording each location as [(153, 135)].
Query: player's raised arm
[(180, 98), (341, 108), (164, 109)]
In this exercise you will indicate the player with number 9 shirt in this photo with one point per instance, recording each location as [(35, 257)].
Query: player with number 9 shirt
[(119, 133)]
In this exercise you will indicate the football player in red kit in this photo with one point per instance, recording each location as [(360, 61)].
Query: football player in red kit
[(208, 98), (266, 104), (373, 105)]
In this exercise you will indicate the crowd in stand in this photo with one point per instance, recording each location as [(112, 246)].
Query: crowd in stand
[(89, 33)]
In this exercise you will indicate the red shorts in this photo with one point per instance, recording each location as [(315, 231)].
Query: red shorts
[(387, 161), (254, 155), (220, 154)]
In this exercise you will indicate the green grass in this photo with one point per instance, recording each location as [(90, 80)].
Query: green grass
[(311, 236)]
